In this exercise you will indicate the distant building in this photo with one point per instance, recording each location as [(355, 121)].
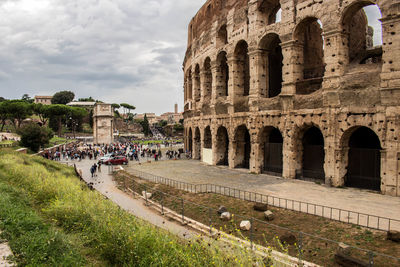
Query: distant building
[(45, 100), (83, 104)]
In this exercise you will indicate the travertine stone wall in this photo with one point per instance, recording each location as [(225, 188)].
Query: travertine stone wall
[(103, 124), (246, 72)]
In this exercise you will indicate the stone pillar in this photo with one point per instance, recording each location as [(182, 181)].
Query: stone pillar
[(255, 163), (203, 85), (390, 76), (336, 60), (292, 70), (231, 82), (258, 77), (214, 73), (289, 151)]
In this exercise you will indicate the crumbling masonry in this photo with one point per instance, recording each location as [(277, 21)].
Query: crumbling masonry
[(306, 97)]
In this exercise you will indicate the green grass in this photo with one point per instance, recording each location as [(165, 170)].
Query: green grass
[(6, 142), (85, 227)]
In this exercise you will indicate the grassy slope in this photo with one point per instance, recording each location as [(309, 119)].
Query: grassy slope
[(66, 211)]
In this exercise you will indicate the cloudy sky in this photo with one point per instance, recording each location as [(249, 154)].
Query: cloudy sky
[(113, 50)]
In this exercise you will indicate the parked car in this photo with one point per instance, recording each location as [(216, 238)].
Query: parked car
[(117, 160), (105, 158)]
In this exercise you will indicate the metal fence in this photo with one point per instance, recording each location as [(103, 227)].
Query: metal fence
[(337, 214), (306, 247)]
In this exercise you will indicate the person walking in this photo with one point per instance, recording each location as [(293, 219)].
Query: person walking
[(92, 171)]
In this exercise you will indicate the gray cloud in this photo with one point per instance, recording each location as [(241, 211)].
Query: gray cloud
[(113, 50)]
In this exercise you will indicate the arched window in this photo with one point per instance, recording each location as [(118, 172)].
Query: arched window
[(242, 67), (222, 75)]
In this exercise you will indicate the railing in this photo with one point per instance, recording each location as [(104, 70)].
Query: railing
[(337, 214), (306, 247)]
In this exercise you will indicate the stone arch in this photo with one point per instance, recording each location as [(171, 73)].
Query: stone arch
[(207, 79), (361, 158), (359, 36), (268, 10), (197, 144), (271, 150), (310, 51), (242, 69), (222, 146), (222, 36), (222, 75), (241, 147), (207, 137), (310, 155), (272, 60), (197, 83)]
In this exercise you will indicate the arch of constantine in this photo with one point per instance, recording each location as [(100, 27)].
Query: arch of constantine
[(296, 89)]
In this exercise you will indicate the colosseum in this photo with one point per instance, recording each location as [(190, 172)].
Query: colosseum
[(297, 89)]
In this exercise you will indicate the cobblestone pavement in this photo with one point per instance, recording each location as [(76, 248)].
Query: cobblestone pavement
[(5, 252), (352, 199)]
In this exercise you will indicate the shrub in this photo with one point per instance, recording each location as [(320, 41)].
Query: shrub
[(33, 136)]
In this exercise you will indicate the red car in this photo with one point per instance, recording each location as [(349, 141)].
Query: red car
[(117, 160)]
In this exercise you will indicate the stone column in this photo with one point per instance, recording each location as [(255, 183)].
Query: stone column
[(258, 77), (390, 76), (231, 82), (292, 70), (336, 60), (202, 86), (214, 73)]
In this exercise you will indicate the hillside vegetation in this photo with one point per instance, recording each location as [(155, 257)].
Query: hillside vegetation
[(50, 218)]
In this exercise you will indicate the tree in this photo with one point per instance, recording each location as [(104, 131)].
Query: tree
[(33, 136), (27, 98), (88, 99), (3, 113), (2, 99), (127, 108), (42, 111), (63, 97), (57, 114), (76, 116), (145, 125), (18, 110), (163, 123)]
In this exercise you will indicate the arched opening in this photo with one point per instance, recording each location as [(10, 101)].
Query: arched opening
[(222, 74), (242, 69), (313, 155), (190, 87), (190, 141), (364, 33), (197, 144), (271, 144), (222, 36), (207, 79), (242, 148), (364, 160), (269, 10), (308, 35), (272, 64), (197, 87), (207, 137), (222, 148)]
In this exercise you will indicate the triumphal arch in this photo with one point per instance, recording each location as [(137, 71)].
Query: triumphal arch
[(296, 88)]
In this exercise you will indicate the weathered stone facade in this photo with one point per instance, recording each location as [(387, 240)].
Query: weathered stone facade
[(305, 97), (103, 124)]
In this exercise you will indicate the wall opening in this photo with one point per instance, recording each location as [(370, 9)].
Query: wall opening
[(313, 155), (207, 137), (222, 147), (270, 11), (197, 84), (190, 87), (197, 144), (222, 36), (222, 74), (242, 68), (308, 35), (272, 64), (364, 160), (271, 144), (207, 79), (242, 148), (364, 33), (190, 141)]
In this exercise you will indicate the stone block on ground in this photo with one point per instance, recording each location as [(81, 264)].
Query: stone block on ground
[(343, 248), (245, 225), (269, 216), (288, 238), (393, 236), (222, 209), (146, 194), (348, 261), (226, 216), (260, 207)]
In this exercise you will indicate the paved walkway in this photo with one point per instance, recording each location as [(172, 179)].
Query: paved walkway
[(106, 186), (352, 199), (5, 252)]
